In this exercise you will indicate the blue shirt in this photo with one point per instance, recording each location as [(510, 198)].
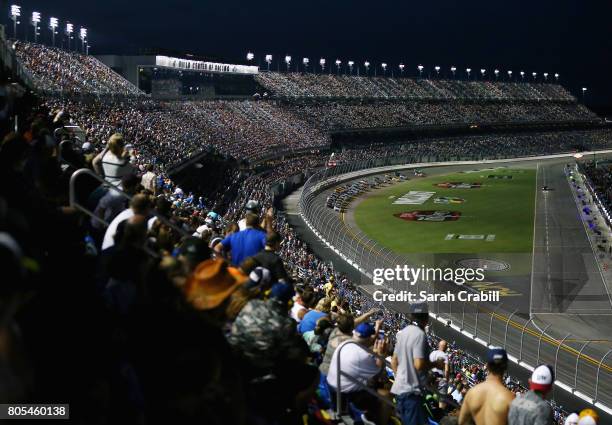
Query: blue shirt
[(244, 244), (309, 321)]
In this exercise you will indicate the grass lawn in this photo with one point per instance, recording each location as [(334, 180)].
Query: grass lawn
[(500, 207)]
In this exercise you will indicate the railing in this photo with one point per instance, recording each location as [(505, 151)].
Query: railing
[(580, 367)]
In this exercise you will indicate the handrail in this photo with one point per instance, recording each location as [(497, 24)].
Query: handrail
[(354, 380)]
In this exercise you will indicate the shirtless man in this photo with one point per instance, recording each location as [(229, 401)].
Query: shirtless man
[(488, 402)]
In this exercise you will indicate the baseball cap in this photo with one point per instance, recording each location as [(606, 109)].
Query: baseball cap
[(252, 205), (497, 355), (259, 276), (419, 308), (572, 419), (542, 378), (588, 417), (86, 147), (364, 330)]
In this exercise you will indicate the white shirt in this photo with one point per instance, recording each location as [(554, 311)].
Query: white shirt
[(115, 168), (356, 362), (435, 356), (148, 181), (111, 230), (295, 309), (242, 224)]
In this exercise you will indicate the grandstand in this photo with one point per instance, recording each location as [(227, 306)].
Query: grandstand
[(122, 213)]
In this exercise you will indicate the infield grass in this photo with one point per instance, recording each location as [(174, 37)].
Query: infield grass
[(500, 207)]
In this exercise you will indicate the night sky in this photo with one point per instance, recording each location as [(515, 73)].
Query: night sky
[(573, 38)]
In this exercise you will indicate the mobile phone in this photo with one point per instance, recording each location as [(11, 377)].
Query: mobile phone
[(381, 334)]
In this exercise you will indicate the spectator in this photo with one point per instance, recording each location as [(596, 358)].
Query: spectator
[(302, 301), (410, 363), (114, 202), (488, 402), (115, 160), (149, 179), (317, 338), (269, 259), (139, 205), (309, 321), (342, 332), (357, 361), (531, 407), (245, 243)]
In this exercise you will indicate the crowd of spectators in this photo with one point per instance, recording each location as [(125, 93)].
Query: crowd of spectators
[(336, 116), (600, 176), (144, 288), (59, 71), (328, 86)]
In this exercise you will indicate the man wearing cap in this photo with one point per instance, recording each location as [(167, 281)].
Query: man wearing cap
[(269, 259), (410, 363), (531, 408), (488, 402), (362, 366)]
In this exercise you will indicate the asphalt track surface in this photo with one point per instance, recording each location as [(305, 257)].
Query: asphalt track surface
[(568, 294)]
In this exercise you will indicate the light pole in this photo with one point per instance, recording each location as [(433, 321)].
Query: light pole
[(496, 72), (15, 14), (584, 90), (305, 62), (69, 31), (83, 37), (367, 66), (437, 68), (534, 74), (322, 63), (420, 68), (250, 56), (53, 23), (523, 75), (468, 70), (510, 75), (453, 70), (483, 72), (384, 67), (288, 62), (338, 63), (545, 76), (35, 22), (401, 67), (556, 77), (268, 60), (350, 64)]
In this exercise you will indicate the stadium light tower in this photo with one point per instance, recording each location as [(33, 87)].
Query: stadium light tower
[(437, 68), (523, 75), (534, 74), (15, 14), (556, 76), (322, 63), (468, 71), (483, 72), (83, 37), (69, 31), (350, 64), (584, 90), (338, 63), (367, 66), (453, 70), (288, 62), (509, 75), (401, 68), (545, 76), (305, 61), (384, 67), (35, 21), (420, 68), (53, 24), (250, 56), (268, 60), (496, 72)]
